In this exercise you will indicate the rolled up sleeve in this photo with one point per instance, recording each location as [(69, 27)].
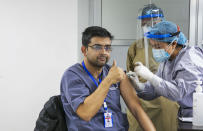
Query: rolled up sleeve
[(74, 89)]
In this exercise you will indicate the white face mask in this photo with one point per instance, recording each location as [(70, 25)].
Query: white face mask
[(160, 55)]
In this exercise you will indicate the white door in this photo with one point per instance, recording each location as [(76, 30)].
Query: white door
[(200, 24)]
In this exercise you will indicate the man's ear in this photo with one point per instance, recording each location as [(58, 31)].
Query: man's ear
[(84, 50)]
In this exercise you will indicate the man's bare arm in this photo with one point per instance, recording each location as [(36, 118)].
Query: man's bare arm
[(131, 99)]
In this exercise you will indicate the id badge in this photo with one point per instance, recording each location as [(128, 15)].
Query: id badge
[(108, 119)]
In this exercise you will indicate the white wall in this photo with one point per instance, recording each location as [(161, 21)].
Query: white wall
[(83, 22), (38, 41)]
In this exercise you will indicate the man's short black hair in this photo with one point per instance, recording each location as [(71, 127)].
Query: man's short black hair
[(94, 31)]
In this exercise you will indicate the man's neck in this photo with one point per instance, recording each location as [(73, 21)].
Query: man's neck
[(95, 71)]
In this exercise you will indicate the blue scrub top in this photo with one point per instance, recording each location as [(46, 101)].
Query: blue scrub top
[(76, 85), (178, 79)]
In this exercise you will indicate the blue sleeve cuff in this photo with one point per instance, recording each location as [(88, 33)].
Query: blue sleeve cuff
[(75, 103)]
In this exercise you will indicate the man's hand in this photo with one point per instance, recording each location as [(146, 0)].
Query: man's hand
[(143, 71), (116, 74)]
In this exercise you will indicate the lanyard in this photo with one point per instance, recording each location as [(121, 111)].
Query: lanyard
[(95, 82), (90, 75)]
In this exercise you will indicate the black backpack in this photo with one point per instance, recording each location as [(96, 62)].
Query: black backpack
[(52, 116)]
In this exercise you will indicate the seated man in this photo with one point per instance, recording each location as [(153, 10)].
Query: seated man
[(90, 90)]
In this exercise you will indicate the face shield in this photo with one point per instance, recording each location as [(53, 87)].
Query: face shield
[(147, 18)]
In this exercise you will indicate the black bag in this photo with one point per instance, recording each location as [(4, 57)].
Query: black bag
[(52, 116)]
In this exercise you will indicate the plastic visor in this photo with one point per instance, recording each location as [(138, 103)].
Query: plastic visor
[(150, 16)]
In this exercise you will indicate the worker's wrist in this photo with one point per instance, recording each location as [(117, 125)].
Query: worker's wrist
[(152, 76), (155, 80)]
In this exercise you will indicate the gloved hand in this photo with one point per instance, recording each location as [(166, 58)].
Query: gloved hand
[(130, 73), (143, 71), (135, 81)]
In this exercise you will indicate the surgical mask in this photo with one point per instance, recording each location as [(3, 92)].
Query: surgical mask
[(160, 55)]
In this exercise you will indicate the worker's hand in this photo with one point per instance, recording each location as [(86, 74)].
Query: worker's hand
[(143, 71), (132, 77), (116, 74), (135, 81)]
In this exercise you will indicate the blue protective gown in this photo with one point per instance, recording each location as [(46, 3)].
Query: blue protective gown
[(178, 78), (76, 85)]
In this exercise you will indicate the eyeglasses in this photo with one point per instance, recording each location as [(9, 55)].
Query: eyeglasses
[(98, 47)]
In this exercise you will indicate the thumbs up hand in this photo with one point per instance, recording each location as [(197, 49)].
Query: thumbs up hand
[(114, 63), (116, 74)]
